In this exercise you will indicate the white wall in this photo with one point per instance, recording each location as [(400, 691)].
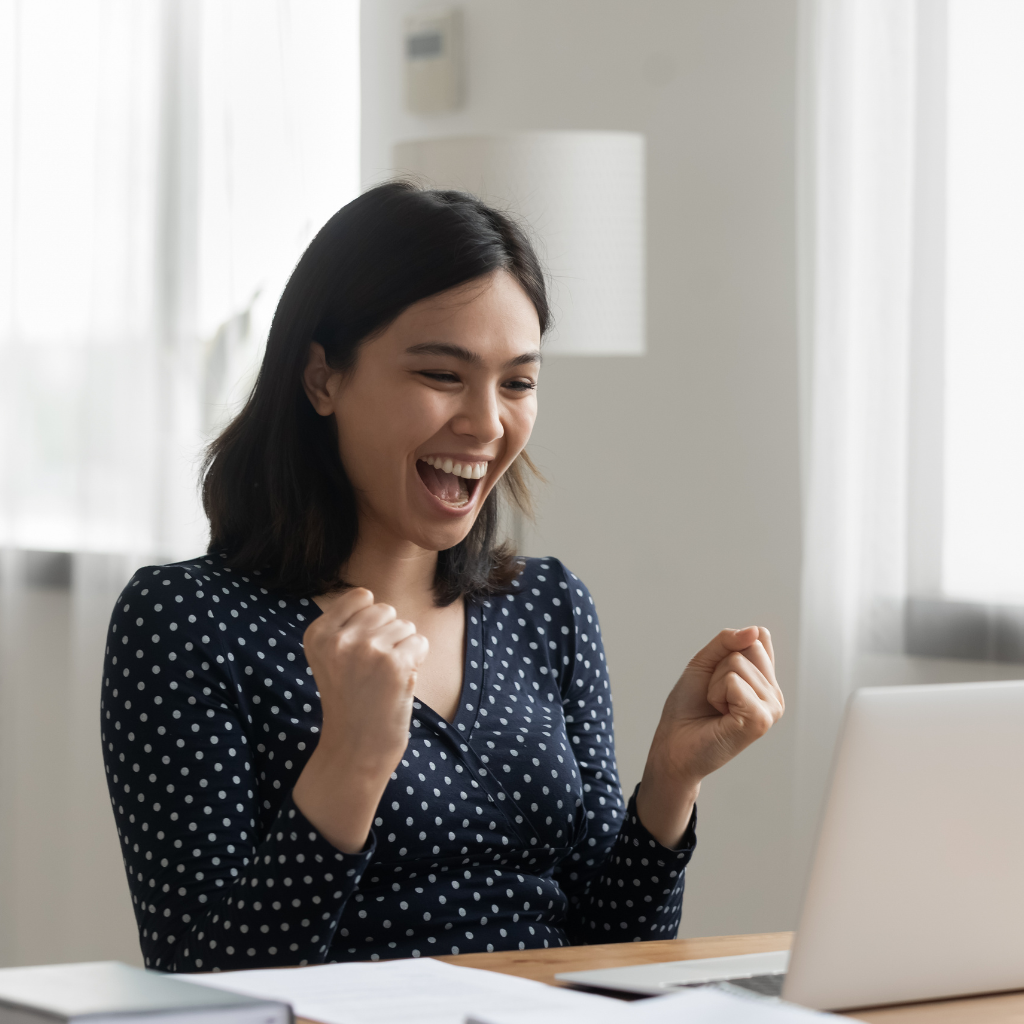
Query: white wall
[(673, 477), (63, 893)]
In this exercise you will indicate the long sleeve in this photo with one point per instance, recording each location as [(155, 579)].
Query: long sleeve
[(622, 884), (211, 885)]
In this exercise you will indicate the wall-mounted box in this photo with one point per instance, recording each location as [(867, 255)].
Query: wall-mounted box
[(433, 62)]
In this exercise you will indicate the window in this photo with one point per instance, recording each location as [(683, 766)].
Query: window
[(162, 168), (983, 535), (967, 578)]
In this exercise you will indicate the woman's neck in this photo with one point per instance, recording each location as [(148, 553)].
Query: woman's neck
[(399, 574)]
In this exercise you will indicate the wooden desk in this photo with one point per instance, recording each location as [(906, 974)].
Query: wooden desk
[(544, 964)]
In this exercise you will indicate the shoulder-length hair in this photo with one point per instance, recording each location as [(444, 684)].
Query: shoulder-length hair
[(274, 487)]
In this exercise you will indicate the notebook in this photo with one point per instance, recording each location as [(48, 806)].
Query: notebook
[(115, 993)]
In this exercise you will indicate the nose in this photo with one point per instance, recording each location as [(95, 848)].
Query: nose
[(479, 417)]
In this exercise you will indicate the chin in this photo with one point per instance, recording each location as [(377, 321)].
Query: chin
[(442, 540)]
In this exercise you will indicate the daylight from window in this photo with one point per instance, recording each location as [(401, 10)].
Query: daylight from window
[(983, 535), (153, 201)]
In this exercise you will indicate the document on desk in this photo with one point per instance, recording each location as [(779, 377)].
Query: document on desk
[(694, 1006), (399, 991), (431, 992)]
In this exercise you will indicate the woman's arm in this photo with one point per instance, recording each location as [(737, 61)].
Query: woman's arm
[(210, 888), (627, 877), (622, 884), (364, 659)]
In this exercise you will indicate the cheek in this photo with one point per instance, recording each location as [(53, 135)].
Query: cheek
[(519, 424), (378, 428), (358, 436), (364, 435)]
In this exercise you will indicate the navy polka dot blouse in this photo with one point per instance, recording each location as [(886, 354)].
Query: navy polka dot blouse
[(504, 829)]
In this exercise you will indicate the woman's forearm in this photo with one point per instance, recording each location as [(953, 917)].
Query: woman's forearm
[(339, 797), (665, 800), (364, 660)]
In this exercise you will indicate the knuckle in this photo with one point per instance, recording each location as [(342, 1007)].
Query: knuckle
[(346, 638)]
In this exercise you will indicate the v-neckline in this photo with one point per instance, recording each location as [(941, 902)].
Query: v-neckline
[(471, 690)]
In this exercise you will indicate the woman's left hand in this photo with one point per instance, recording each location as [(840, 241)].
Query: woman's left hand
[(727, 698)]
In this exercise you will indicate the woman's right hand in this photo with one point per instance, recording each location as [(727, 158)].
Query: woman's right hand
[(364, 660)]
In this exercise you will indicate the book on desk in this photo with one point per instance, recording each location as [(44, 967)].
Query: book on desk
[(115, 993)]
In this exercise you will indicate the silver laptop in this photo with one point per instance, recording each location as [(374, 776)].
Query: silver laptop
[(917, 886)]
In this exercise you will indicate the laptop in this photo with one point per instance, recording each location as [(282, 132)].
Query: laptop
[(916, 890)]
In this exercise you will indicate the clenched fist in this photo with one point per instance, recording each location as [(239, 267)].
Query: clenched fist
[(364, 660), (725, 699)]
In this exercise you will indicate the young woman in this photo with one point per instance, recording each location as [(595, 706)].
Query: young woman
[(360, 727)]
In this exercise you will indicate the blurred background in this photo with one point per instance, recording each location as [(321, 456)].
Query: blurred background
[(803, 411)]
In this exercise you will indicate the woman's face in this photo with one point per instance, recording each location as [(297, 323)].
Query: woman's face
[(435, 409)]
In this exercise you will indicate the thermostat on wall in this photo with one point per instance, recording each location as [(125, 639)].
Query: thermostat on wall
[(433, 58)]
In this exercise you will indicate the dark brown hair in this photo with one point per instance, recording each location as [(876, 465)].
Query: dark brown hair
[(274, 488)]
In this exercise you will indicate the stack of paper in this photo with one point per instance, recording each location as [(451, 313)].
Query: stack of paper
[(428, 991), (400, 991)]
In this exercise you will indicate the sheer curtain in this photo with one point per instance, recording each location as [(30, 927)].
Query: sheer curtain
[(168, 162), (164, 164), (79, 291), (858, 241), (884, 217)]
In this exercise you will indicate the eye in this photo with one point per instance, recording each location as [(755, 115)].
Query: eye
[(442, 376), (520, 385)]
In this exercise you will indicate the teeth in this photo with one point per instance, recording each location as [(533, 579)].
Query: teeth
[(466, 470)]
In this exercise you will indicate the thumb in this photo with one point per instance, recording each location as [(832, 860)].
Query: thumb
[(726, 643)]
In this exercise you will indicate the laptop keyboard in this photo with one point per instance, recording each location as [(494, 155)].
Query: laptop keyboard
[(760, 984)]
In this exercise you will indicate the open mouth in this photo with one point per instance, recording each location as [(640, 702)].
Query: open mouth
[(451, 482)]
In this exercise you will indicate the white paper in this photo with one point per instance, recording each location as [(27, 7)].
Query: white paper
[(696, 1006), (399, 991)]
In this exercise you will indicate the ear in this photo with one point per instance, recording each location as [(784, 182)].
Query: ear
[(319, 381)]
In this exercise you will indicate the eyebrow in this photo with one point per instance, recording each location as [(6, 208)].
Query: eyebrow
[(439, 348)]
